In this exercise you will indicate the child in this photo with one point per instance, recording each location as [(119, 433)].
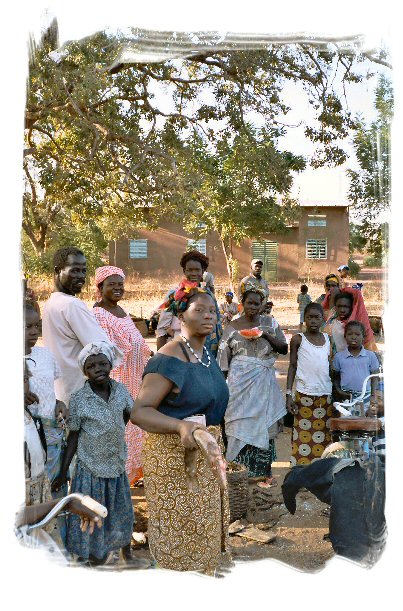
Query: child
[(228, 309), (353, 364), (303, 299), (98, 414), (309, 364), (44, 371), (344, 272)]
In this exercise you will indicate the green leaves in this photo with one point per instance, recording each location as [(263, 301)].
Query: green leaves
[(369, 190), (124, 150)]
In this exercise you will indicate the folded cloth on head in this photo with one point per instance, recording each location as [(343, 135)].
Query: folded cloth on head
[(102, 273), (112, 353)]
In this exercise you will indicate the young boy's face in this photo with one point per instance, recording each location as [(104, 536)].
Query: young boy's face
[(343, 308), (97, 368), (354, 337), (31, 329), (313, 320)]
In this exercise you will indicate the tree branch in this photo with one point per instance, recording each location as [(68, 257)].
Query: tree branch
[(376, 60), (175, 79)]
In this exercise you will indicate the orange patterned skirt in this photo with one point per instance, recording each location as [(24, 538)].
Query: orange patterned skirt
[(187, 531), (310, 433)]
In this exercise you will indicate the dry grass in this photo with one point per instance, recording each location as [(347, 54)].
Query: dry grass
[(145, 293)]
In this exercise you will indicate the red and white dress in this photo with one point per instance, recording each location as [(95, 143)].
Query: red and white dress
[(125, 335)]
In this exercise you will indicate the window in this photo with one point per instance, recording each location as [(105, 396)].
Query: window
[(138, 249), (316, 249), (316, 220), (199, 245)]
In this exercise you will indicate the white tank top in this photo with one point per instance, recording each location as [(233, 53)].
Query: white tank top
[(312, 376)]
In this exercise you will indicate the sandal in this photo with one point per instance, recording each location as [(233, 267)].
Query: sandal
[(270, 482)]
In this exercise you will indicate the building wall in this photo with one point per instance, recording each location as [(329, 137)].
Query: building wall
[(337, 234), (165, 248), (167, 244), (287, 254)]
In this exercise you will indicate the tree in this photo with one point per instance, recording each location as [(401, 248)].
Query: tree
[(357, 240), (369, 190), (86, 236), (103, 148), (238, 191)]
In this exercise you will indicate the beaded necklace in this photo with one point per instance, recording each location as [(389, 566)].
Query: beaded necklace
[(195, 355)]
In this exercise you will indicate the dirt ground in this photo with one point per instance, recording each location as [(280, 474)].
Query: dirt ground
[(297, 540)]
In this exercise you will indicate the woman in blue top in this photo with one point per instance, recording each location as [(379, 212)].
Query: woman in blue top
[(183, 390)]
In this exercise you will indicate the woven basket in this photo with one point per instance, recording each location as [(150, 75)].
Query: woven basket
[(238, 490)]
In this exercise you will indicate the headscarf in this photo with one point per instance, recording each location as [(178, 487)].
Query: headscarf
[(178, 298), (101, 273), (333, 278), (249, 287), (358, 312), (112, 353)]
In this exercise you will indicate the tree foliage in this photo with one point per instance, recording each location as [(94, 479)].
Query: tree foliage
[(357, 239), (370, 186), (242, 190), (112, 151)]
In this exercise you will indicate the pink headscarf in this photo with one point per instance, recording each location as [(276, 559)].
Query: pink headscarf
[(358, 312), (101, 273)]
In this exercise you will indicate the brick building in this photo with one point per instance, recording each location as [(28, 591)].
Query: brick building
[(311, 248)]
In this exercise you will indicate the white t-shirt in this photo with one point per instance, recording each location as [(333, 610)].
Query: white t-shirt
[(67, 326), (312, 376), (36, 452), (44, 371)]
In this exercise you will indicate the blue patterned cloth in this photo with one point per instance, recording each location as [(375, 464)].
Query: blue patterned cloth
[(54, 452), (117, 527), (101, 442), (257, 460)]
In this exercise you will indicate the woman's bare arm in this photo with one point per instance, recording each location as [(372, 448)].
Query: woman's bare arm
[(292, 370), (145, 412)]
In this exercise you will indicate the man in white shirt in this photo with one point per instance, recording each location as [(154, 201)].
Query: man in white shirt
[(68, 324)]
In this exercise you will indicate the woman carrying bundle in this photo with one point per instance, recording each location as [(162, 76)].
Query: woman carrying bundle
[(247, 354), (183, 396)]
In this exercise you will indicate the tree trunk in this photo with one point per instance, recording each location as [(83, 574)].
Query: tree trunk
[(38, 244), (227, 250)]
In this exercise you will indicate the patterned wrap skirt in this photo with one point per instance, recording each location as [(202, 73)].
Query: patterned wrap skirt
[(310, 433), (257, 460), (187, 531), (117, 527)]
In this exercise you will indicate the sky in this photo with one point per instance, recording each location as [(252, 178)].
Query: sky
[(251, 585), (325, 184)]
